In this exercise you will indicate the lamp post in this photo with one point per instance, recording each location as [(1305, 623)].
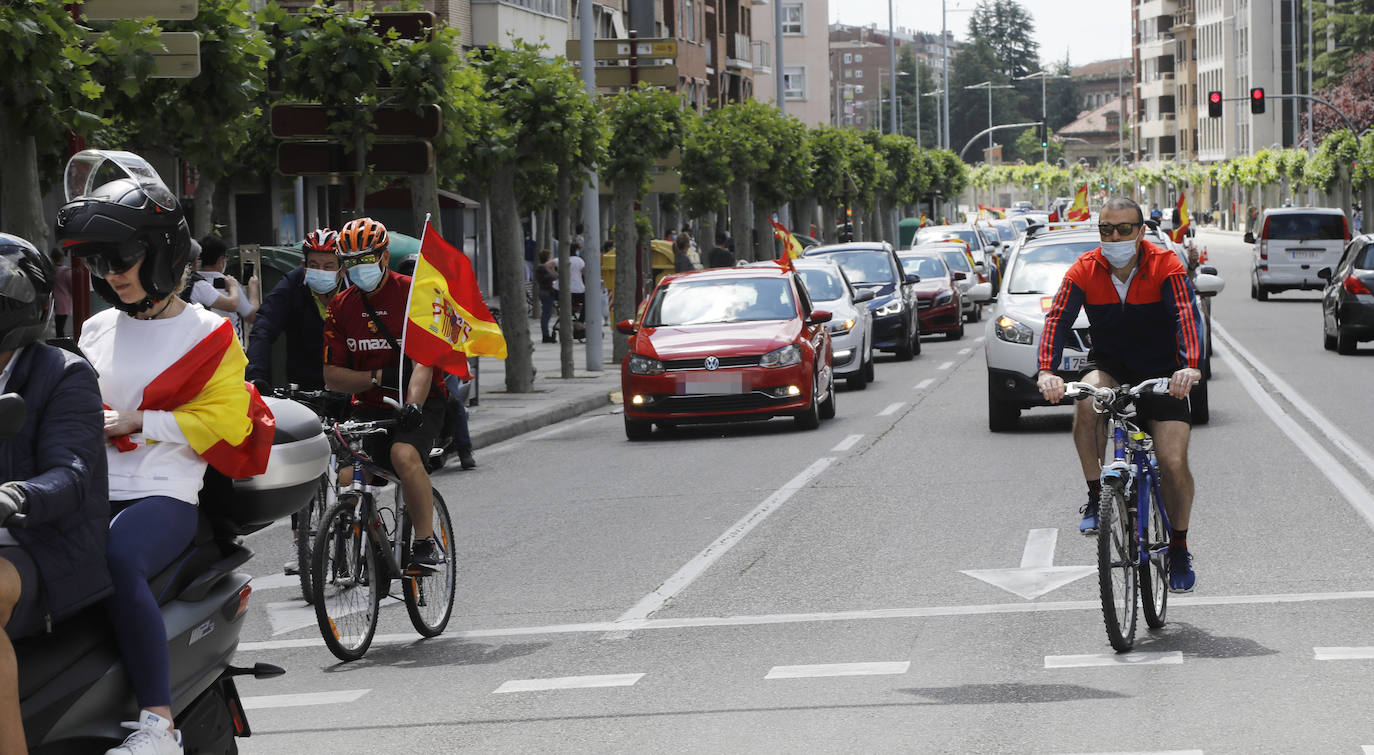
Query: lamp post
[(939, 124), (988, 85), (892, 92), (892, 62), (1044, 115)]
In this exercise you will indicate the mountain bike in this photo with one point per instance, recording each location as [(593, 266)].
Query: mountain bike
[(1132, 526), (362, 546)]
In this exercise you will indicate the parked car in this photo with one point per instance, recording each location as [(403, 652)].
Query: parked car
[(957, 258), (873, 265), (939, 298), (1348, 299), (851, 322), (727, 344), (1293, 244)]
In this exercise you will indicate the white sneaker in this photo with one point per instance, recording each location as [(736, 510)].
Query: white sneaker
[(152, 735)]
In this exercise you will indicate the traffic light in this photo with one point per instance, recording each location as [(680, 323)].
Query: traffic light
[(1257, 100), (1040, 133), (1214, 104)]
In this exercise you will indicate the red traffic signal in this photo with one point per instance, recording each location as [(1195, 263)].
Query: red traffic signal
[(1214, 104), (1257, 100)]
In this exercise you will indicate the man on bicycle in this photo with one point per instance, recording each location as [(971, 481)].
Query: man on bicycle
[(362, 356), (1143, 324)]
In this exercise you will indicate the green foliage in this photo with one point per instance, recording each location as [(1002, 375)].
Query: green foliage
[(968, 108), (646, 124), (1350, 25), (1028, 147), (1008, 28), (837, 155), (912, 80), (705, 169)]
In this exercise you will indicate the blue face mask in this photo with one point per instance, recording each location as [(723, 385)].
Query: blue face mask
[(366, 277), (322, 281)]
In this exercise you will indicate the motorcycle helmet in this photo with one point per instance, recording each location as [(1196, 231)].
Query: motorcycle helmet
[(118, 212), (26, 281)]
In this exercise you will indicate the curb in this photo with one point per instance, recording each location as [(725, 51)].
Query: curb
[(539, 418)]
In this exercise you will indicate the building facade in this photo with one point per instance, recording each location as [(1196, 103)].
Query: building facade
[(806, 85)]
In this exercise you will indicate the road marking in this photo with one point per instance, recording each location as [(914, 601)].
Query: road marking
[(945, 366), (965, 351), (564, 427), (979, 339), (336, 697), (291, 615), (1137, 658), (276, 581), (1360, 497), (1146, 752), (892, 409), (1343, 654), (1037, 574), (838, 669), (568, 682), (846, 444), (924, 384), (1368, 749), (675, 584)]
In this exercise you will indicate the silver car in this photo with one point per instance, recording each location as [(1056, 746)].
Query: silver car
[(851, 323)]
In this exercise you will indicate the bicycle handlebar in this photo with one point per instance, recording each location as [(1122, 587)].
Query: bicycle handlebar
[(1079, 390)]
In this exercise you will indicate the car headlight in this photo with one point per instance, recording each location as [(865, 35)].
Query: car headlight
[(642, 365), (891, 308), (840, 327), (943, 298), (787, 355), (1013, 331)]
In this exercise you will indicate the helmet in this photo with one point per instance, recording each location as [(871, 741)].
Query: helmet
[(120, 221), (26, 281), (362, 235), (322, 240)]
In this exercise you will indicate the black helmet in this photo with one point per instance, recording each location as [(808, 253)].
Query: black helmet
[(114, 223), (26, 279)]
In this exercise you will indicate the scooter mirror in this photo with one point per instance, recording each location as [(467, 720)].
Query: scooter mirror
[(12, 414)]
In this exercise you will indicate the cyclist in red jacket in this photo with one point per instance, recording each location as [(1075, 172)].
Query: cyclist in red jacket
[(1143, 324)]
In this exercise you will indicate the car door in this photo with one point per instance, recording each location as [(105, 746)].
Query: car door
[(817, 335), (1331, 293)]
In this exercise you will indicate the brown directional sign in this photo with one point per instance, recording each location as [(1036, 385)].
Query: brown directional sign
[(619, 76), (312, 122), (330, 159), (163, 10), (619, 49)]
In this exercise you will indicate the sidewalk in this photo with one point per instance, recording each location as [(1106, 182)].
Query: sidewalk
[(499, 415)]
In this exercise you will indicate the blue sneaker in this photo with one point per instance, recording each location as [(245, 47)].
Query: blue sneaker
[(1181, 575), (1088, 525)]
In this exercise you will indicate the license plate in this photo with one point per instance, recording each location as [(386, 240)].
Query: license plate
[(1306, 255), (714, 384), (1074, 363)]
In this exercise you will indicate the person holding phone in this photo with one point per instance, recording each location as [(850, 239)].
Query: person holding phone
[(220, 293)]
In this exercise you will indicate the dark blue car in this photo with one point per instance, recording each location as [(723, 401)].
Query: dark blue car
[(874, 265)]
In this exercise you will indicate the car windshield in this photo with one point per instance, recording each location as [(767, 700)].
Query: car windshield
[(1309, 227), (1039, 269), (1006, 230), (926, 267), (866, 267), (699, 302), (822, 285), (957, 260), (928, 235)]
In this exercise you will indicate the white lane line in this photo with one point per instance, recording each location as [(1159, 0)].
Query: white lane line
[(336, 697), (1039, 552), (965, 351), (1367, 749), (568, 682), (1343, 654), (651, 603), (924, 384), (919, 612), (945, 366), (838, 669), (1360, 497), (1137, 658), (1145, 752), (276, 581), (291, 615), (892, 409), (846, 444)]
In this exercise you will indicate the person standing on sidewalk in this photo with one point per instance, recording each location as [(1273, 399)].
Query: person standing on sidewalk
[(720, 255), (61, 292), (544, 278)]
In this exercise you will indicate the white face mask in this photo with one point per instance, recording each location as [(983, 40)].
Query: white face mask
[(1118, 253)]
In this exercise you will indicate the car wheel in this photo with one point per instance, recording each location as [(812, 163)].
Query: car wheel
[(859, 380), (1254, 288), (1197, 404), (810, 418), (904, 349), (1003, 416), (870, 374), (1328, 342), (1345, 341), (636, 430), (827, 408), (977, 313), (957, 333), (1261, 292)]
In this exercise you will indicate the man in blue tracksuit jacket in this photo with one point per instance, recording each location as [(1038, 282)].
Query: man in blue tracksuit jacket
[(296, 307)]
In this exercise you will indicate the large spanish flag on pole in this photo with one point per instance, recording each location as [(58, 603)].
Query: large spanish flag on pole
[(1079, 211), (1181, 220), (446, 320)]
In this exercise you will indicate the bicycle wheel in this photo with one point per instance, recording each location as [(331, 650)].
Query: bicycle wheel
[(1116, 569), (307, 527), (347, 591), (1154, 572), (429, 595)]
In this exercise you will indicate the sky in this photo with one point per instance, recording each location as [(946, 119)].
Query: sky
[(1088, 31)]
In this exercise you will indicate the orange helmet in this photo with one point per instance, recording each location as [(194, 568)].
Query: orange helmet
[(362, 235)]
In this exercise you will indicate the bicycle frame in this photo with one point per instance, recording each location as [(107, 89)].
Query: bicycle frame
[(1134, 471), (387, 540)]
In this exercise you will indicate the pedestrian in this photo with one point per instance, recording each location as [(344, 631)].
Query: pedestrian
[(545, 278), (682, 247), (720, 255), (1358, 220), (220, 293), (529, 256), (456, 414), (577, 286), (61, 292)]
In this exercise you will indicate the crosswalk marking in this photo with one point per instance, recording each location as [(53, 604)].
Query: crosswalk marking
[(568, 682), (838, 669), (1172, 658), (303, 699), (1343, 654), (846, 444), (891, 409), (276, 581)]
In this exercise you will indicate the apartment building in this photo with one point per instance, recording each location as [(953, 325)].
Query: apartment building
[(857, 72), (1102, 82), (806, 84)]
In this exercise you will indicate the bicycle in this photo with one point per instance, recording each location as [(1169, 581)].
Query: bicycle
[(357, 554), (1132, 525)]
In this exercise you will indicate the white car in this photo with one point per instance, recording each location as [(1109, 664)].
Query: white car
[(851, 322), (1292, 246)]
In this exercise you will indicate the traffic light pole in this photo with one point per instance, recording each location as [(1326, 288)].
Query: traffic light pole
[(591, 207), (1318, 100)]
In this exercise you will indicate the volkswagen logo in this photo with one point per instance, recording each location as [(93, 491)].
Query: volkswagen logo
[(712, 363)]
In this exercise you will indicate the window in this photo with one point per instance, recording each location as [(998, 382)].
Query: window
[(849, 73), (794, 82), (848, 58), (792, 19), (859, 74), (690, 11), (858, 57)]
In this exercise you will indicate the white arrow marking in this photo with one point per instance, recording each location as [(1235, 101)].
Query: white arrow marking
[(291, 615), (1037, 574), (1343, 654)]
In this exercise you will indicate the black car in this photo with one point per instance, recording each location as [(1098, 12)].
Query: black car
[(874, 265), (1348, 299)]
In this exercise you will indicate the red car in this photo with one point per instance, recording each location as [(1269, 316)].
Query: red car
[(939, 302), (727, 344)]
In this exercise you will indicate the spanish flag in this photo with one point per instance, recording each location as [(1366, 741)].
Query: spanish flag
[(925, 221), (447, 321), (1079, 211), (1181, 220), (223, 418), (791, 248), (996, 212)]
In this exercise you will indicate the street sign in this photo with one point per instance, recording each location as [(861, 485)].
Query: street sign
[(330, 159), (115, 10), (312, 122), (611, 77), (180, 56), (619, 49)]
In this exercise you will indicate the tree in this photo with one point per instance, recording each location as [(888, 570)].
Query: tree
[(1347, 23), (1352, 94), (968, 108), (912, 81), (832, 149), (1028, 147), (783, 178), (1008, 28), (1061, 97)]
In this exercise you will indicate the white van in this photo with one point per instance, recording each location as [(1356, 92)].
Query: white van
[(1292, 245)]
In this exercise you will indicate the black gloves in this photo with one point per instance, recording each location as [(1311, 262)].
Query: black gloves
[(264, 387), (411, 418), (12, 501)]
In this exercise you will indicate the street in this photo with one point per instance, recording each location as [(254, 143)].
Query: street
[(899, 580)]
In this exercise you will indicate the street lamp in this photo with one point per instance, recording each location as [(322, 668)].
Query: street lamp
[(892, 91), (988, 85), (1044, 115), (939, 123)]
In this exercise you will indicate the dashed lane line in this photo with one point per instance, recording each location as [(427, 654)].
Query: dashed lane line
[(892, 409), (924, 384), (965, 350), (336, 697), (945, 365), (838, 669), (846, 444), (276, 581), (568, 682), (1343, 654), (1145, 752), (1137, 658)]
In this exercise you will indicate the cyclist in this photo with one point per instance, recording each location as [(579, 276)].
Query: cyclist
[(1143, 324), (362, 356)]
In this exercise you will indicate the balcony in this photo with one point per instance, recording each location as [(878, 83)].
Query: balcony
[(740, 54), (1159, 128), (763, 57), (1152, 8), (1157, 46), (1161, 86)]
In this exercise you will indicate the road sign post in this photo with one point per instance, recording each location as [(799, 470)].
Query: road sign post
[(322, 158)]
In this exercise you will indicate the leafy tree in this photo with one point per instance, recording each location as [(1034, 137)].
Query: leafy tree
[(911, 82), (739, 130), (968, 108), (1028, 147), (1008, 28), (1350, 24), (783, 178), (833, 154), (1352, 94), (1061, 97)]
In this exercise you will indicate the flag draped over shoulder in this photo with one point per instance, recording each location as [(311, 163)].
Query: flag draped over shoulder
[(791, 247), (446, 319), (1079, 211), (222, 416), (1181, 220)]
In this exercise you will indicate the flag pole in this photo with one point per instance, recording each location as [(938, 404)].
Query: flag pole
[(401, 371)]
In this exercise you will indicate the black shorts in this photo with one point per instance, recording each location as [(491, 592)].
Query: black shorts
[(1155, 407), (422, 437), (27, 618)]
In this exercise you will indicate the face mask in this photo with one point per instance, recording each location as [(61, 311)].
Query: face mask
[(321, 281), (1118, 253), (366, 277)]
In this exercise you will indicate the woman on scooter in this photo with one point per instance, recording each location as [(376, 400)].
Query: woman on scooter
[(171, 379)]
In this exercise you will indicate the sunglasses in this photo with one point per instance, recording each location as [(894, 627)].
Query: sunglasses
[(363, 258), (1123, 229), (109, 259)]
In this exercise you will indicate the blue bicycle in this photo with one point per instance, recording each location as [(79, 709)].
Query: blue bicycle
[(1132, 526)]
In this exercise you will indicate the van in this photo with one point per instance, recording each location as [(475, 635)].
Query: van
[(1293, 244)]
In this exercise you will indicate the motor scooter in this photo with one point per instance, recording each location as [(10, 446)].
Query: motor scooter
[(73, 690)]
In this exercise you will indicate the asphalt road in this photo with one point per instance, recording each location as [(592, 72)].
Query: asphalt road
[(759, 589)]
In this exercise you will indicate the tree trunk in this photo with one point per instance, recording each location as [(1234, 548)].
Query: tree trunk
[(651, 203), (740, 221), (829, 217), (424, 200), (21, 199), (203, 206), (706, 235), (623, 207), (509, 249), (768, 247), (806, 217), (565, 309)]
